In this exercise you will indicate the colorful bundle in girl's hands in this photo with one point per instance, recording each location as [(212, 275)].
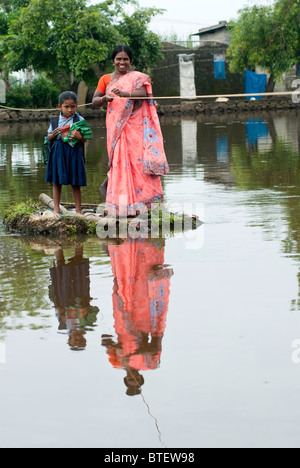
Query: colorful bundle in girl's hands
[(84, 129), (64, 130)]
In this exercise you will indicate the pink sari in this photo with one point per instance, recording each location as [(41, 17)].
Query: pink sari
[(135, 148)]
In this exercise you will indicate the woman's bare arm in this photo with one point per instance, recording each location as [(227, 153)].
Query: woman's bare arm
[(142, 92), (100, 99)]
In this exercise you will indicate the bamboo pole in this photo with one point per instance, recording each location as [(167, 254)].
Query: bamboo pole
[(84, 205), (158, 98), (50, 203)]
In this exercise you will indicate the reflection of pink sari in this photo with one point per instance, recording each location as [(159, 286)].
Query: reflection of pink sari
[(135, 148), (140, 302)]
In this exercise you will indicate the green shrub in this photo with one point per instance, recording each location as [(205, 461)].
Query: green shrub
[(19, 97), (40, 94), (44, 93)]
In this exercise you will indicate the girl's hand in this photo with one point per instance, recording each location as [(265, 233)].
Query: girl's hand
[(76, 134), (52, 136), (56, 132)]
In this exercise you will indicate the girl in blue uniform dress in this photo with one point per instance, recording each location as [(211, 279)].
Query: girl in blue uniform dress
[(66, 164)]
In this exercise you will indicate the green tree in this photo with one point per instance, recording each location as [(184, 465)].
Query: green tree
[(265, 37), (288, 14), (68, 37), (8, 11), (13, 5), (59, 36), (146, 45)]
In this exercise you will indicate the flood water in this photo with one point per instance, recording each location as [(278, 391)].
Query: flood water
[(191, 341)]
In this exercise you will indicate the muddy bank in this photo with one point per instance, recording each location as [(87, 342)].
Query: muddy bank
[(174, 107)]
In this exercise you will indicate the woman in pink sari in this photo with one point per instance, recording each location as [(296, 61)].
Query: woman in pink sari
[(135, 147)]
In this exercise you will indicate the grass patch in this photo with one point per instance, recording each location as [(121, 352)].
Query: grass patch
[(21, 210)]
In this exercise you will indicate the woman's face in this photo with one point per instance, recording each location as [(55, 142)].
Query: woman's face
[(121, 62)]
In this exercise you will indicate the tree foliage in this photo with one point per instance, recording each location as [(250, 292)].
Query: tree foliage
[(288, 15), (71, 37), (144, 43), (266, 37)]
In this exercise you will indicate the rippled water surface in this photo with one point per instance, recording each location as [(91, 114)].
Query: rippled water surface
[(190, 341)]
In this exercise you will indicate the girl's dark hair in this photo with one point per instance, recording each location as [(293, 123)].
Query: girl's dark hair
[(121, 48), (67, 95)]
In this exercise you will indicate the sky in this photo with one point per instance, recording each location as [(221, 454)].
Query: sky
[(186, 17)]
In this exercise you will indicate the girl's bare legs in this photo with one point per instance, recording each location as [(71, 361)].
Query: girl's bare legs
[(56, 197), (77, 198)]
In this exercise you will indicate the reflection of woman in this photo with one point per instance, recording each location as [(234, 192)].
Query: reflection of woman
[(70, 292), (140, 303), (134, 141)]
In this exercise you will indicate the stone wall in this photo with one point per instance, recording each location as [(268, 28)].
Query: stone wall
[(172, 107), (166, 79), (232, 106), (26, 116)]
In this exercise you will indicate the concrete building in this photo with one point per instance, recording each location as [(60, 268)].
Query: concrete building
[(217, 33), (203, 69), (199, 70)]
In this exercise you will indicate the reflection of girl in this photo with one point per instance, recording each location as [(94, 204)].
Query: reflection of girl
[(70, 292), (134, 141), (140, 303)]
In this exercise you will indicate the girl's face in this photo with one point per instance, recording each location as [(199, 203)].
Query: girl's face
[(68, 108), (121, 62)]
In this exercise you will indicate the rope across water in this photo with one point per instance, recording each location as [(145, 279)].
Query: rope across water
[(157, 98)]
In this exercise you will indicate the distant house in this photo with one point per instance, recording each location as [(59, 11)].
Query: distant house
[(23, 77), (218, 33), (203, 68)]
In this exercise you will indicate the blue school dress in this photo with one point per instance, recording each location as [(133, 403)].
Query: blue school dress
[(66, 163)]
